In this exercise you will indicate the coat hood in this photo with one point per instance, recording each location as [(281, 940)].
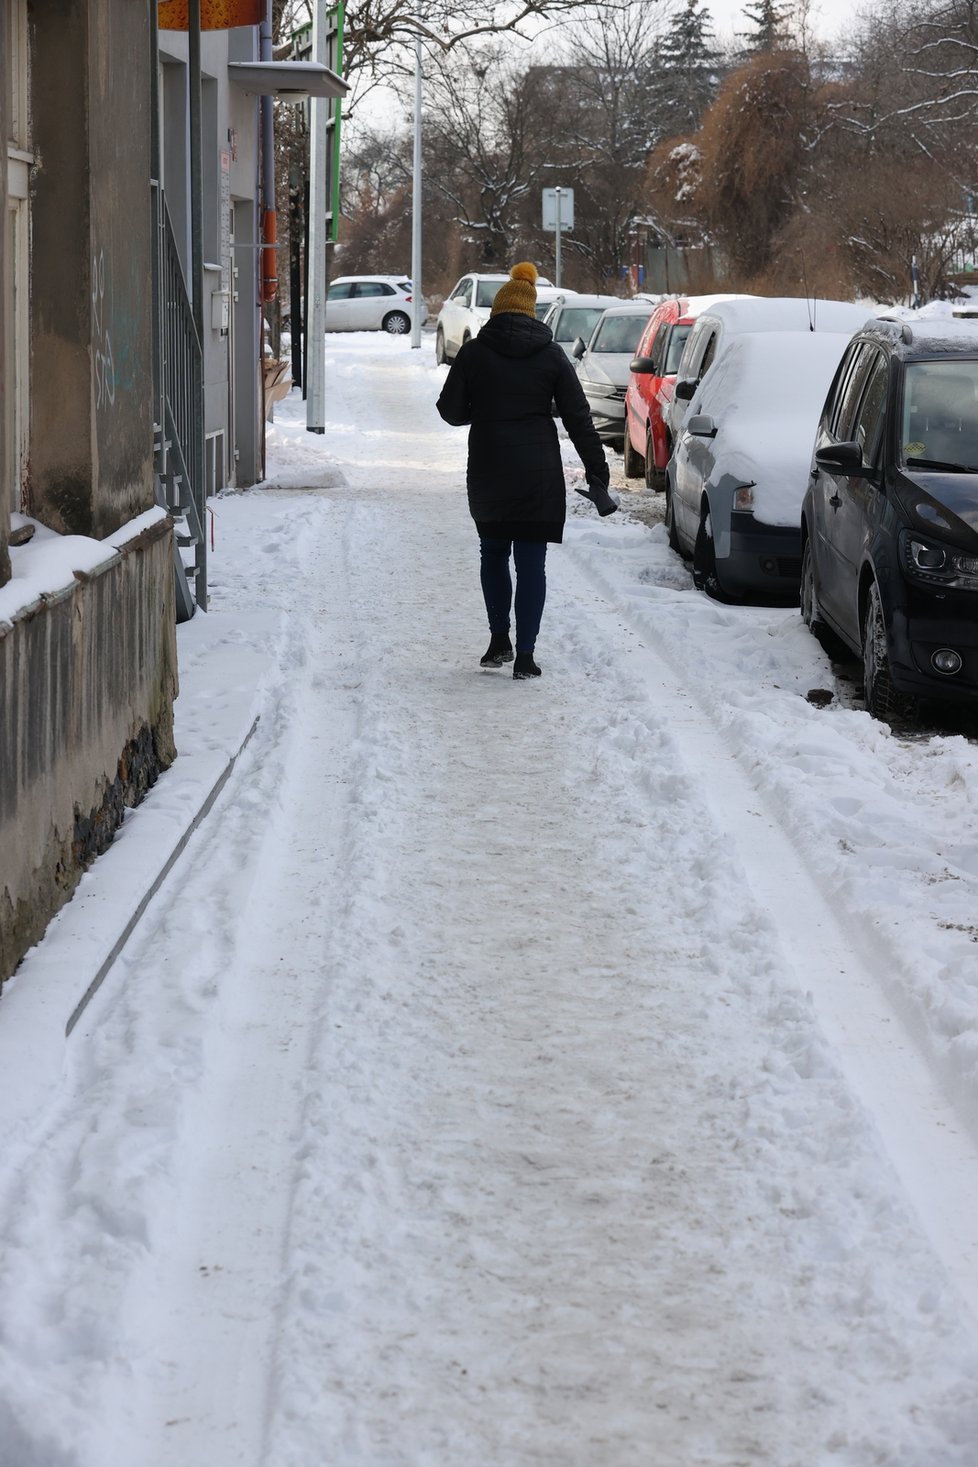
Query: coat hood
[(511, 334)]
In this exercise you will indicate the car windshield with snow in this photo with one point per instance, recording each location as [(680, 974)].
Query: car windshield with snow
[(890, 518), (738, 474)]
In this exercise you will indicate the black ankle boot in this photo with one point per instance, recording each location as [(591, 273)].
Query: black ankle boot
[(500, 650), (524, 666)]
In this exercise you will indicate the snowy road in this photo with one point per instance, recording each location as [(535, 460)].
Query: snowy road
[(577, 1073)]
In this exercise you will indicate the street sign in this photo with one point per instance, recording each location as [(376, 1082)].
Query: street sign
[(565, 196)]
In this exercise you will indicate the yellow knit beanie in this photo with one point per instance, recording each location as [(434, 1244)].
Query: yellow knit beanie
[(518, 294)]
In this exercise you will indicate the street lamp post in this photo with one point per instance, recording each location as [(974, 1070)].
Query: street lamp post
[(416, 294)]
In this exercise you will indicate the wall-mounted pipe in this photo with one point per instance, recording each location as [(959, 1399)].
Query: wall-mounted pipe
[(269, 226)]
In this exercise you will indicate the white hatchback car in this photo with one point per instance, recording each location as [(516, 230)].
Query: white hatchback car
[(466, 311), (371, 303)]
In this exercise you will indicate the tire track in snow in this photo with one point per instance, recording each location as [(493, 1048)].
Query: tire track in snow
[(929, 1141), (581, 1176)]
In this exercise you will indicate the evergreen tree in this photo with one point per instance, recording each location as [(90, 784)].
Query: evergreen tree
[(770, 22), (688, 76)]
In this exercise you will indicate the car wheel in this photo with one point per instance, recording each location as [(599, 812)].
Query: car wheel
[(466, 337), (654, 478), (670, 522), (441, 356), (397, 323), (883, 700), (809, 596), (634, 465), (705, 577)]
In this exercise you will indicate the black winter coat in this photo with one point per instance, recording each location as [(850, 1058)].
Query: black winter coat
[(505, 382)]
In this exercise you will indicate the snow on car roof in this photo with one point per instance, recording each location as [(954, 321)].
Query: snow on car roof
[(765, 392), (788, 313)]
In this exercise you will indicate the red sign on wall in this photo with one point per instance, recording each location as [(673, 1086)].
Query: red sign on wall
[(215, 15)]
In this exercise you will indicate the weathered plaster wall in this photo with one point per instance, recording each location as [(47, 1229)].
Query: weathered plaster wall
[(87, 682), (91, 410)]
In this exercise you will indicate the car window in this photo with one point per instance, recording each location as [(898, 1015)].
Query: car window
[(372, 288), (708, 355), (850, 392), (678, 339), (340, 292), (691, 352), (487, 291), (575, 321), (868, 426), (404, 285), (462, 292), (940, 412), (618, 334), (657, 350)]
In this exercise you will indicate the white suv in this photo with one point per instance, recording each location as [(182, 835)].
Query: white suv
[(465, 311), (371, 303)]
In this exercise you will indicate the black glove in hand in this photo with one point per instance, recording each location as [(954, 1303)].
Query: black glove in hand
[(600, 498)]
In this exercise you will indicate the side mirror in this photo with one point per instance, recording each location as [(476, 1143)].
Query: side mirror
[(643, 364), (701, 425), (684, 390), (579, 347), (841, 458)]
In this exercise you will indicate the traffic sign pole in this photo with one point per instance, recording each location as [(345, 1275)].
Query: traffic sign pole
[(557, 271)]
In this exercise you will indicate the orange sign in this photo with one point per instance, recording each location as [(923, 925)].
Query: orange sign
[(215, 15)]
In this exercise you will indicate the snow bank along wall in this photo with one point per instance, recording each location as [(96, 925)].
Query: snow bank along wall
[(87, 673), (87, 681)]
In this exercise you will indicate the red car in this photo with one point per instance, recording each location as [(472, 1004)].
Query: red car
[(649, 392)]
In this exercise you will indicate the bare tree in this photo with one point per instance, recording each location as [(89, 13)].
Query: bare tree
[(488, 139), (379, 34)]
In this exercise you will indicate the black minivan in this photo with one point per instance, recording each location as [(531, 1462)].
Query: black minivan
[(890, 518)]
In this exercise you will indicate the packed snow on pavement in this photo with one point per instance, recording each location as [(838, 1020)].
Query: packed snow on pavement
[(577, 1072)]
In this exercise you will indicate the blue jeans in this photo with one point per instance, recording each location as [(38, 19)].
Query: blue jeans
[(530, 560)]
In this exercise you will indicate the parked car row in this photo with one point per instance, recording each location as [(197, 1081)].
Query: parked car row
[(809, 449)]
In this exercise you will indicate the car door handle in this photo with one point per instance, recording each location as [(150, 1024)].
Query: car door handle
[(835, 500)]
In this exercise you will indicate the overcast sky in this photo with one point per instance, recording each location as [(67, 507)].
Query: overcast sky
[(829, 17)]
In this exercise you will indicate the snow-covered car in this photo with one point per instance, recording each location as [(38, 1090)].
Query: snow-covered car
[(371, 303), (466, 311), (577, 317), (739, 471), (604, 363), (890, 517), (549, 296), (648, 443)]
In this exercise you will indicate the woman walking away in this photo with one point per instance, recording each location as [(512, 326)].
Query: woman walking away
[(504, 383)]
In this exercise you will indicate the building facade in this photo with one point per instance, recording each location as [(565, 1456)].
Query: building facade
[(131, 388)]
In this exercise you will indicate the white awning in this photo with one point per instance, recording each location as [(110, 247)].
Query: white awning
[(290, 80)]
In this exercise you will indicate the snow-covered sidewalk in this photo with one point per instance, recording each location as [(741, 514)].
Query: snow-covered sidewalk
[(482, 1085)]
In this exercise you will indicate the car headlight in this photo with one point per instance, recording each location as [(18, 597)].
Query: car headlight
[(598, 389), (937, 564)]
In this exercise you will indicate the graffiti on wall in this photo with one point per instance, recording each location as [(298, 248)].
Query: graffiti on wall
[(103, 360)]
